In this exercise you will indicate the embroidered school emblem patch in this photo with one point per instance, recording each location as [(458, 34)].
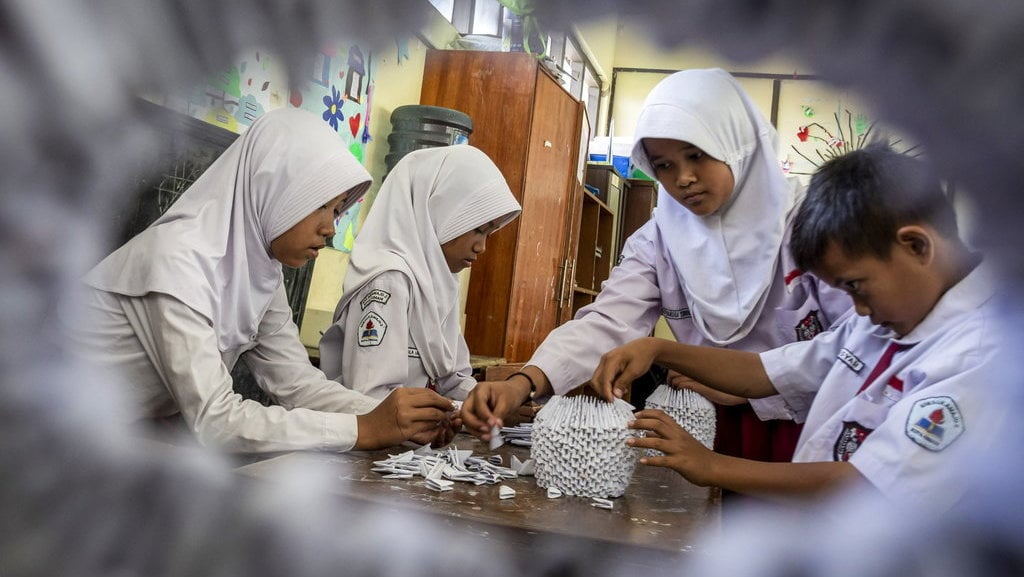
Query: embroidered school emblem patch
[(850, 439), (371, 330), (849, 359), (375, 296), (809, 327), (935, 422)]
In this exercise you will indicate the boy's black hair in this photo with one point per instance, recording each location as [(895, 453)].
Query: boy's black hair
[(860, 199)]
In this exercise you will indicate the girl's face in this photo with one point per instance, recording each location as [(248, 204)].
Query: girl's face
[(694, 179), (303, 242), (461, 252)]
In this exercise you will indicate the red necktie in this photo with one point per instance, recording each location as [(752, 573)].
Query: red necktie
[(883, 363)]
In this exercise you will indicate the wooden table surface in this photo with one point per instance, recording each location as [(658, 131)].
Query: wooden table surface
[(661, 515)]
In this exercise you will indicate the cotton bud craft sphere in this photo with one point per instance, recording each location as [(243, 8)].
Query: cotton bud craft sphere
[(688, 408), (579, 446)]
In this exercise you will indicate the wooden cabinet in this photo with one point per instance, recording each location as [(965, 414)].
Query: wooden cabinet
[(595, 252), (597, 247), (638, 202), (532, 129)]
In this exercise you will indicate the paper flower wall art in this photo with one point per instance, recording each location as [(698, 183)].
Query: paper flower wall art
[(826, 144)]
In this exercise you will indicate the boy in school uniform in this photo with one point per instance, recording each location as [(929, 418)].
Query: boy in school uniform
[(887, 395)]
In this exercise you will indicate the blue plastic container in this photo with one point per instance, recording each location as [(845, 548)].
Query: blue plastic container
[(621, 164)]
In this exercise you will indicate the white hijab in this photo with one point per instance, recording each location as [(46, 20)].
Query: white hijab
[(726, 262), (211, 249), (430, 197)]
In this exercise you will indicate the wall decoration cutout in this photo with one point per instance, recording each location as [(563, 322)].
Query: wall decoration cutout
[(818, 122), (333, 114), (345, 228), (354, 77), (848, 132), (236, 98), (321, 72)]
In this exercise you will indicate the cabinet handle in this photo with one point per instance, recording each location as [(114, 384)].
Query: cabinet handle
[(561, 284)]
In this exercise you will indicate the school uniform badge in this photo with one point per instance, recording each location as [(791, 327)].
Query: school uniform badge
[(934, 423), (850, 439), (375, 296), (809, 327), (371, 330), (676, 314)]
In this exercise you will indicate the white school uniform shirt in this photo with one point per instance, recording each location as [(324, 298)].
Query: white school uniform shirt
[(904, 429), (200, 286), (411, 325), (379, 354), (645, 285), (166, 355)]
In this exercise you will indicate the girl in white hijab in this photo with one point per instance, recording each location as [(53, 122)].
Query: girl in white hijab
[(176, 307), (397, 324), (712, 261)]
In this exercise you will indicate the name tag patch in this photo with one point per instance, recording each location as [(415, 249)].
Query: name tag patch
[(934, 423), (414, 353), (371, 330), (375, 296), (676, 314), (849, 359)]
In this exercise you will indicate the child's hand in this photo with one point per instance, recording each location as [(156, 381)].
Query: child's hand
[(441, 435), (681, 381), (524, 414), (490, 403), (619, 367), (406, 414), (682, 453)]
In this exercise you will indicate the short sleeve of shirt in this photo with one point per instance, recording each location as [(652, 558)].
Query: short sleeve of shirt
[(797, 370)]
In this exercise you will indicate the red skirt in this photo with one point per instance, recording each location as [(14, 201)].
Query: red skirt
[(740, 433)]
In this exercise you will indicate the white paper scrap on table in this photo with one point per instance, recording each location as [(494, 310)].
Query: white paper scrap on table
[(506, 492), (496, 439), (523, 468), (554, 492)]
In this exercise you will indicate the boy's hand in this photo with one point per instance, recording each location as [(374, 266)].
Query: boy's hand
[(619, 367), (439, 436), (681, 381), (490, 402), (406, 414), (524, 414), (682, 453)]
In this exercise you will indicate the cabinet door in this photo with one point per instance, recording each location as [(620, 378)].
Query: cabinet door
[(496, 89), (640, 199), (550, 178)]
